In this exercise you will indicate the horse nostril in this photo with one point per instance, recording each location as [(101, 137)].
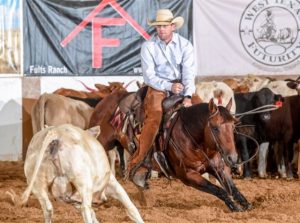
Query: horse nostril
[(229, 159), (232, 159)]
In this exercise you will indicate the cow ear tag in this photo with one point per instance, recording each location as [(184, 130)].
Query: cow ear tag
[(278, 104)]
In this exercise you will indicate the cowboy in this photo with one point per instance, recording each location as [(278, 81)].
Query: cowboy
[(168, 66)]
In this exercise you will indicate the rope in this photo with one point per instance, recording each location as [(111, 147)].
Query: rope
[(264, 108), (257, 147)]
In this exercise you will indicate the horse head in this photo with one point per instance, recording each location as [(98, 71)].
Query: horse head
[(219, 132)]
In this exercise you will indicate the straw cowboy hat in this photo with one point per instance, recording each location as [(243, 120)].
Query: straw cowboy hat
[(165, 17)]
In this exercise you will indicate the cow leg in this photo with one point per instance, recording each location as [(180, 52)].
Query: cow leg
[(94, 216), (112, 160), (84, 186), (45, 203), (281, 168), (279, 154), (289, 151), (115, 190), (86, 206), (245, 156), (262, 159), (194, 179)]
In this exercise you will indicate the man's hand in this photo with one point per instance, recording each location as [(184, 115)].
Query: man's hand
[(176, 88), (187, 102)]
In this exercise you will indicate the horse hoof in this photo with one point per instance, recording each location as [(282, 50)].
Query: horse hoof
[(249, 207), (140, 180), (234, 208), (237, 209)]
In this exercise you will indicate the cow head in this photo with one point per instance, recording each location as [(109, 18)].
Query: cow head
[(262, 98), (294, 84)]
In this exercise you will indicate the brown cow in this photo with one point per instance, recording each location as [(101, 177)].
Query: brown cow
[(53, 110), (99, 93)]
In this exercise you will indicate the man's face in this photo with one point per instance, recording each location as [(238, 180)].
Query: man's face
[(165, 32)]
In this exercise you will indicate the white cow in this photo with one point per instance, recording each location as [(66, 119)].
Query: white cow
[(280, 87), (219, 91), (66, 157)]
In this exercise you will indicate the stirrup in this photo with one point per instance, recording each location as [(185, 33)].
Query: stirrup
[(162, 163), (129, 174), (139, 180)]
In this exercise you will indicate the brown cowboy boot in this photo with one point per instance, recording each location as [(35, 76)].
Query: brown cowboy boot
[(153, 116), (146, 140)]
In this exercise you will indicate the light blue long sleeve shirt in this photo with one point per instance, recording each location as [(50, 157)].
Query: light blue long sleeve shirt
[(163, 63)]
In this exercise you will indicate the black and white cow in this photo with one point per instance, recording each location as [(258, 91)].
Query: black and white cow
[(255, 122), (284, 129)]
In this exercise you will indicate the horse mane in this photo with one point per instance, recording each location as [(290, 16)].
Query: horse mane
[(226, 114), (195, 118), (194, 115)]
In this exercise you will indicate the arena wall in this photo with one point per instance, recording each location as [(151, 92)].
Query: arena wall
[(18, 94)]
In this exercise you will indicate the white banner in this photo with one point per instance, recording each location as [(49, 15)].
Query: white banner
[(234, 37), (10, 39)]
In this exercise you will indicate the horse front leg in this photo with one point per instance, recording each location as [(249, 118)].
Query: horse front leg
[(239, 197), (236, 194), (194, 179)]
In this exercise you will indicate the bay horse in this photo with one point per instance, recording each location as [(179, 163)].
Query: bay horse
[(201, 140)]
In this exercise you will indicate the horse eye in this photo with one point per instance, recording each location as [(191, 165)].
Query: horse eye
[(215, 129)]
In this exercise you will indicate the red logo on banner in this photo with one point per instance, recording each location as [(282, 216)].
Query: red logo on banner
[(97, 23)]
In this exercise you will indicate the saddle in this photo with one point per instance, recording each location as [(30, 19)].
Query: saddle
[(134, 102)]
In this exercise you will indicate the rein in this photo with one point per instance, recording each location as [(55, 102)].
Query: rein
[(261, 109), (251, 138)]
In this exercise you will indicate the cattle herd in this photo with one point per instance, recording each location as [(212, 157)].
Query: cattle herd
[(65, 158)]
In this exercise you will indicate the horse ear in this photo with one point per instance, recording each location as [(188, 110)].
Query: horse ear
[(229, 104), (211, 106)]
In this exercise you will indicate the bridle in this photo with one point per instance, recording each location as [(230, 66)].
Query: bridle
[(219, 149), (215, 139), (218, 144)]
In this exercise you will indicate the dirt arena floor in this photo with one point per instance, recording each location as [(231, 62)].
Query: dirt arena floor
[(274, 200)]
